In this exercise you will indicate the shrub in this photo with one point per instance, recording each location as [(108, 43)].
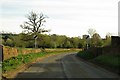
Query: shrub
[(85, 54)]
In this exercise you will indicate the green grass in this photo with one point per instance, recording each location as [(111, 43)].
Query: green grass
[(109, 60), (14, 62)]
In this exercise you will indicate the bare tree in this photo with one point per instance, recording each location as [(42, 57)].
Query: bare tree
[(91, 31), (34, 23)]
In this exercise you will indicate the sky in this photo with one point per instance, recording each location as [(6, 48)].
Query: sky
[(66, 17)]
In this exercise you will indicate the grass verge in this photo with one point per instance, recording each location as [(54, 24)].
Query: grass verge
[(14, 62), (110, 62)]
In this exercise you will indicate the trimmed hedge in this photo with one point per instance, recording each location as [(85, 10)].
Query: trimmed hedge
[(85, 55)]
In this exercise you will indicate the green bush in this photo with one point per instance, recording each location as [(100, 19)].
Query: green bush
[(85, 54)]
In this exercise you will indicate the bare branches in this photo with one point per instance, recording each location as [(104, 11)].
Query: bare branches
[(42, 30), (91, 31), (34, 23), (29, 23)]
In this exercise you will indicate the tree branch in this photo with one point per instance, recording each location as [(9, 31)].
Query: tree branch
[(34, 23)]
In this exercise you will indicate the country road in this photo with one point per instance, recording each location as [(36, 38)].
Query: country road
[(65, 66)]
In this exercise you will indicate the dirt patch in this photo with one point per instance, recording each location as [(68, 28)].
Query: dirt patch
[(9, 52)]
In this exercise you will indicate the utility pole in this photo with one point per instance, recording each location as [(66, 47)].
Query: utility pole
[(119, 18), (87, 38)]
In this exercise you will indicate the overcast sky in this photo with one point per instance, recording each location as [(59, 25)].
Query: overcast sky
[(66, 17)]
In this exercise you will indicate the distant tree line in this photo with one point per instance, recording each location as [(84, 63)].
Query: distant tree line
[(43, 40), (26, 40)]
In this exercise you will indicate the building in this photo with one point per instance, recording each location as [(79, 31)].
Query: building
[(115, 41)]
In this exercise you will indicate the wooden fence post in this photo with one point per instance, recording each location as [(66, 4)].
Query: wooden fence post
[(1, 53)]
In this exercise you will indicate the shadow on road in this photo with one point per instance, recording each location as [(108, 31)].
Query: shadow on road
[(48, 68), (62, 67), (43, 70)]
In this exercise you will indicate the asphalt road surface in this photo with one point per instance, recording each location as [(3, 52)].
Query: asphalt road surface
[(65, 66)]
